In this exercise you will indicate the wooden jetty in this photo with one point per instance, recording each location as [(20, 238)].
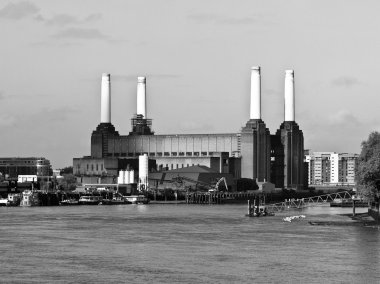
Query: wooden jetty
[(220, 197)]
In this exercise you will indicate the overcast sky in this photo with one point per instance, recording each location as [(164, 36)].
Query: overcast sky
[(197, 57)]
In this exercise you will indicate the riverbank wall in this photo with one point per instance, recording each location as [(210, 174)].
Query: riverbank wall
[(374, 214)]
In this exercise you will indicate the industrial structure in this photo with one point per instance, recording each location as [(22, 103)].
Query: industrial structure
[(251, 153)]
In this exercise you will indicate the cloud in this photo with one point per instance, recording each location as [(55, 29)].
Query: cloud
[(339, 131), (193, 126), (128, 78), (67, 19), (59, 114), (61, 20), (17, 11), (93, 17), (45, 117), (343, 118), (2, 97), (271, 92), (117, 41), (7, 120), (79, 33), (39, 18), (164, 76), (345, 81), (226, 20), (133, 78)]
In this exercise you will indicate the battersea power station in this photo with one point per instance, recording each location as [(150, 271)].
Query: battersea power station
[(251, 153)]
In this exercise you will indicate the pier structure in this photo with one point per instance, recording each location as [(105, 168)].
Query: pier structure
[(223, 197), (309, 201)]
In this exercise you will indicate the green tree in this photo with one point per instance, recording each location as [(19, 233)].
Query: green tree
[(368, 171), (245, 184), (66, 170), (68, 182)]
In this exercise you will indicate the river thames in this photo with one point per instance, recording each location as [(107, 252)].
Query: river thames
[(184, 244)]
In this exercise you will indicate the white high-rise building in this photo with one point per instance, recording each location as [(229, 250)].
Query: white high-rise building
[(330, 168)]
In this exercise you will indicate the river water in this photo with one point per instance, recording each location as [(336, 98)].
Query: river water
[(183, 244)]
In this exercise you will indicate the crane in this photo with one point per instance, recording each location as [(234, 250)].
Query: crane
[(216, 188)]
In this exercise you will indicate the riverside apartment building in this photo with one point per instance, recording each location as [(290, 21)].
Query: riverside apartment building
[(330, 168)]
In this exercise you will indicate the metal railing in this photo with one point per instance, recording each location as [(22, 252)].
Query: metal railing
[(309, 201)]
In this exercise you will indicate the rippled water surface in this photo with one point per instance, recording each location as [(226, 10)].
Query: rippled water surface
[(183, 244)]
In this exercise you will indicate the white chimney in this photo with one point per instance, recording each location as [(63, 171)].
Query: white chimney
[(105, 107), (289, 96), (255, 93), (141, 96)]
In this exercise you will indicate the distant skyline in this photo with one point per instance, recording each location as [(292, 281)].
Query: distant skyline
[(197, 57)]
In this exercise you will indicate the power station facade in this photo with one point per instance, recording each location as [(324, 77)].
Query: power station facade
[(250, 153)]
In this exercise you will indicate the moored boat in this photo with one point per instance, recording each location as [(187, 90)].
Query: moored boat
[(137, 199), (90, 200), (259, 211), (115, 201), (14, 199), (3, 202), (30, 198), (69, 202)]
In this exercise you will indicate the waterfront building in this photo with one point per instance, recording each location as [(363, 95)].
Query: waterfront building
[(348, 164), (330, 168), (250, 153), (27, 178), (15, 166)]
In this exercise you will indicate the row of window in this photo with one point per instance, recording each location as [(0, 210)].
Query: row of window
[(94, 167), (163, 154), (171, 166)]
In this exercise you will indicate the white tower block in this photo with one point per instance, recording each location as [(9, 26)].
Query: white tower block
[(131, 177), (143, 172), (121, 177), (255, 93), (141, 96), (289, 96), (105, 107)]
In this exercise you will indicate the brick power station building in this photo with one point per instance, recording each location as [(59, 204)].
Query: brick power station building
[(250, 153)]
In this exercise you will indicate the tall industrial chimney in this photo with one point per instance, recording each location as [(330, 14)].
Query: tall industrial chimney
[(255, 93), (105, 107), (141, 96), (289, 96)]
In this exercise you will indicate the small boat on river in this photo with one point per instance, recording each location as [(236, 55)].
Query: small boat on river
[(14, 199), (90, 200), (261, 211), (69, 202), (115, 201), (3, 202), (30, 198), (137, 199)]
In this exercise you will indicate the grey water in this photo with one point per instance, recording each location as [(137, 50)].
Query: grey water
[(183, 244)]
